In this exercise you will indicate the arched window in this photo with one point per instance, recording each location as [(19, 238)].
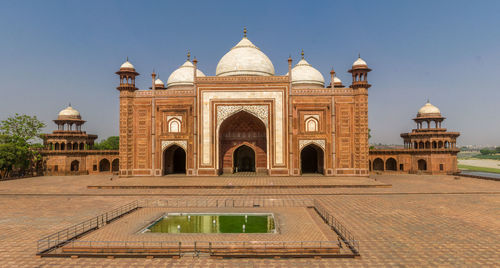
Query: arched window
[(311, 124), (434, 145), (104, 165), (427, 145), (440, 144), (75, 146), (63, 146), (56, 146), (174, 125), (446, 144), (82, 146), (115, 165), (421, 145)]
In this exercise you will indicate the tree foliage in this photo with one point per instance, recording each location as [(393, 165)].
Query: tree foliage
[(18, 144), (111, 143)]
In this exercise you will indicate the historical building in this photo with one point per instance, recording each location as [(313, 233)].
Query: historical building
[(69, 150), (429, 148), (246, 118)]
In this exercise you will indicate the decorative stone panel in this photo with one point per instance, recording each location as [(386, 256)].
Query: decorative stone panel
[(303, 143), (225, 111), (180, 143)]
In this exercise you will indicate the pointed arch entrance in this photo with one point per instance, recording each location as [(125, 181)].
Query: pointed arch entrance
[(174, 160), (240, 135), (422, 164), (311, 159), (244, 159)]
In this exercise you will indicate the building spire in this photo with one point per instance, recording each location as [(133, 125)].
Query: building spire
[(302, 54), (127, 58), (245, 31), (359, 55), (189, 55)]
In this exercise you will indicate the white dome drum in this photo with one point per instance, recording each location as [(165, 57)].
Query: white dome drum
[(245, 59), (429, 110), (183, 76), (303, 73), (69, 113)]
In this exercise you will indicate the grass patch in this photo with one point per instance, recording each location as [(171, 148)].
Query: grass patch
[(482, 169)]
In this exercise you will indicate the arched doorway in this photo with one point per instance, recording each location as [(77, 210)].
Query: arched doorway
[(104, 165), (311, 159), (242, 128), (391, 164), (75, 165), (378, 164), (174, 160), (244, 159), (115, 165), (422, 164)]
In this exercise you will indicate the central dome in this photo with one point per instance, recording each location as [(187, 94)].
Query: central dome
[(428, 110), (245, 59)]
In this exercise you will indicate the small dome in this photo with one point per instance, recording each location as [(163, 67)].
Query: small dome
[(245, 59), (183, 76), (359, 63), (428, 110), (69, 113), (304, 73), (127, 65), (159, 83), (337, 80)]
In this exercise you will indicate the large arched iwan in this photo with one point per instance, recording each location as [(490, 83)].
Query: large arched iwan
[(240, 129)]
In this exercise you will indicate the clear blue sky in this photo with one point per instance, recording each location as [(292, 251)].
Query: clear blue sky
[(55, 52)]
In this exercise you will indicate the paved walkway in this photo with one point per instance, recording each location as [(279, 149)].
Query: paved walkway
[(423, 221)]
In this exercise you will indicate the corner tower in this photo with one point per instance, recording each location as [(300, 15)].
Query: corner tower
[(360, 87), (127, 88)]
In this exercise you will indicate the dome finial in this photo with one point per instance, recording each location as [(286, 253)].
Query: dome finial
[(428, 100), (359, 55), (245, 31), (127, 58), (69, 105), (189, 55), (302, 54)]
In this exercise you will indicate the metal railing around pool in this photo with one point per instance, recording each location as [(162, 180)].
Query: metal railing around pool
[(62, 237), (226, 203), (338, 227), (213, 248)]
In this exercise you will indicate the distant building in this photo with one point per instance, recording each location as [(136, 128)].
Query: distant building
[(69, 150), (429, 148)]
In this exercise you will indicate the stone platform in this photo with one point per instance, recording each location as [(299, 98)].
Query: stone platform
[(237, 182)]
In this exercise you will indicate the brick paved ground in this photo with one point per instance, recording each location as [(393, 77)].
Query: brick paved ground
[(420, 221)]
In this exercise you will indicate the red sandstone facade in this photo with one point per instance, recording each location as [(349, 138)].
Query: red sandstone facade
[(244, 119), (427, 149)]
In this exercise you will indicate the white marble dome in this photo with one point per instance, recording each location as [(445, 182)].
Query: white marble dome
[(183, 76), (428, 110), (245, 59), (359, 63), (69, 113), (337, 80), (159, 83), (304, 73), (127, 65)]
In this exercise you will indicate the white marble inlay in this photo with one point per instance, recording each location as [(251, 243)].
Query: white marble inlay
[(225, 111), (207, 132), (303, 143), (180, 143)]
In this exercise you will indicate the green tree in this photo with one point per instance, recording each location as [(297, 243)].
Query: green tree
[(111, 143), (486, 151), (497, 149), (19, 143)]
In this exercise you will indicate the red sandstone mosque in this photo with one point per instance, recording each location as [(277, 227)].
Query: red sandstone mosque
[(247, 118)]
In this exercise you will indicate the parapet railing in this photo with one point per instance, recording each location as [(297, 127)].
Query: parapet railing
[(226, 203), (338, 227), (62, 237), (213, 248)]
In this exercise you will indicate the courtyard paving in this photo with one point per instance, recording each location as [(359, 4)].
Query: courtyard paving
[(419, 221)]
